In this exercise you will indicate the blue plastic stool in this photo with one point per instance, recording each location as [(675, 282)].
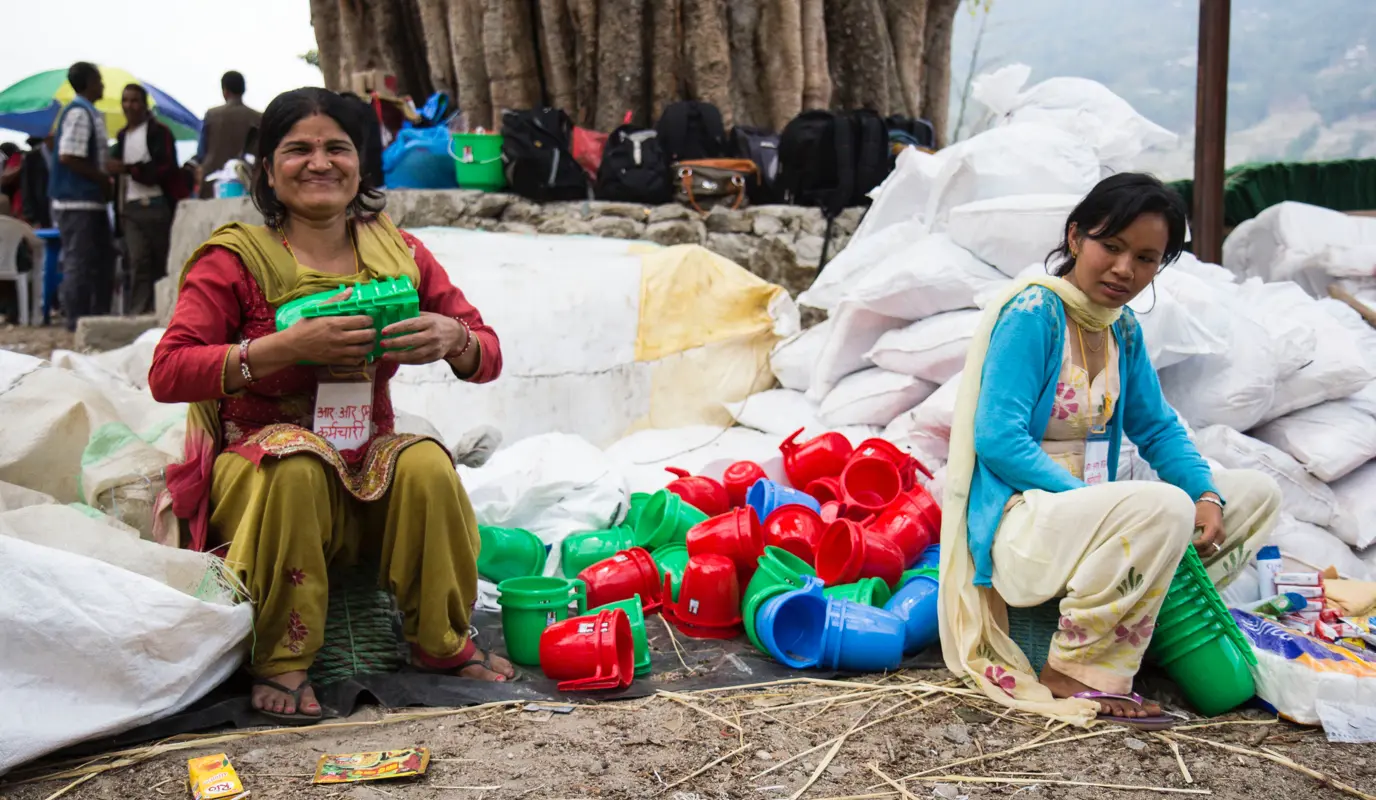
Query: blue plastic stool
[(52, 270)]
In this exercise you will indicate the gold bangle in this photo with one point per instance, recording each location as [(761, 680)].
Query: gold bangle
[(1205, 499)]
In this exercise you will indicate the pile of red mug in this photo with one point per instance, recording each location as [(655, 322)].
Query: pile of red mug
[(861, 514)]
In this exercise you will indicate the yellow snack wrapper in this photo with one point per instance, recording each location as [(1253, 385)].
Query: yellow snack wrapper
[(384, 765), (214, 778)]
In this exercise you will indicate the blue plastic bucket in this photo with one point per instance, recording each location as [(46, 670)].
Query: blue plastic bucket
[(931, 557), (915, 604), (766, 495), (863, 638), (790, 625)]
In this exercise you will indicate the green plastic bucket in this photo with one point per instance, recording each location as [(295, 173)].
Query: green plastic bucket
[(478, 161), (672, 560), (509, 553), (529, 605), (666, 519), (637, 504), (636, 614), (1213, 676), (778, 567), (581, 550), (1167, 637), (926, 572), (866, 591)]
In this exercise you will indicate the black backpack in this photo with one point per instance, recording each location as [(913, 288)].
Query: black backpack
[(690, 131), (634, 169), (832, 161), (538, 154), (762, 147)]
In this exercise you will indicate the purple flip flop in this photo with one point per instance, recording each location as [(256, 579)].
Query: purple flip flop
[(1157, 723)]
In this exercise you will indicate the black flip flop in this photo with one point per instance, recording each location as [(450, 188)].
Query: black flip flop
[(294, 719)]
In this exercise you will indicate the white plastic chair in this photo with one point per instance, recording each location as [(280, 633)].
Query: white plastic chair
[(28, 285)]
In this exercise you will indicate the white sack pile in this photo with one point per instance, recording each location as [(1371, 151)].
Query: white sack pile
[(1271, 377)]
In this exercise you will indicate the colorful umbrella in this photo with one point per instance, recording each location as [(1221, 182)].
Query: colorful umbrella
[(33, 104)]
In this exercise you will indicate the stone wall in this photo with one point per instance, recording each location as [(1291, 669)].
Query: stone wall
[(782, 244)]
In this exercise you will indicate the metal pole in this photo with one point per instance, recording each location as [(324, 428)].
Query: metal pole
[(1211, 127)]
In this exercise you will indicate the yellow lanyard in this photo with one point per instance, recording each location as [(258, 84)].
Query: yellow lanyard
[(1107, 402)]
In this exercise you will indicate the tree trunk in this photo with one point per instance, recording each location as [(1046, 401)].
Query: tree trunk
[(583, 14), (666, 51), (936, 66), (860, 52), (779, 43), (470, 65), (707, 54), (760, 61), (747, 97), (817, 88), (325, 19), (509, 43), (907, 29), (621, 78), (556, 44), (439, 53)]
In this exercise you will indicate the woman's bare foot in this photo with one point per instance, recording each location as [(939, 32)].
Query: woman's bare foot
[(266, 698), (1062, 685), (501, 670)]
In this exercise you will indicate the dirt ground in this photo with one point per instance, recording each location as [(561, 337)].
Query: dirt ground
[(34, 340), (765, 743)]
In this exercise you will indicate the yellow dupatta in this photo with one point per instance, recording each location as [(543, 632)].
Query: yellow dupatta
[(974, 636), (382, 253)]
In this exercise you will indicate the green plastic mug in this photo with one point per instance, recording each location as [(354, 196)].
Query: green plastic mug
[(672, 560), (665, 520), (509, 553), (778, 567), (636, 614), (529, 605), (866, 591), (581, 550)]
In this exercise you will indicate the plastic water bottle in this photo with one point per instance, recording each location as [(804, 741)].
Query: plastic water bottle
[(1268, 566)]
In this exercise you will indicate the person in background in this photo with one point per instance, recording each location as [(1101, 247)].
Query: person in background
[(11, 162), (144, 161), (80, 188), (225, 131), (33, 183)]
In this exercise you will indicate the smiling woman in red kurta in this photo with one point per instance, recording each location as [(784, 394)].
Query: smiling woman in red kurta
[(266, 477)]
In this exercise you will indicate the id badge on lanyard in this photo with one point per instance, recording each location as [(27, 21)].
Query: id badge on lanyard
[(1096, 457), (344, 408)]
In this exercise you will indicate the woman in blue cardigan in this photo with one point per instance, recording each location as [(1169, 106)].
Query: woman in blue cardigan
[(1056, 376)]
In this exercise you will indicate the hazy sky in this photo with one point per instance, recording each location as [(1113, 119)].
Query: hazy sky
[(180, 46)]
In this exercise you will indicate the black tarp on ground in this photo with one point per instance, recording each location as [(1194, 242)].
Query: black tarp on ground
[(714, 664)]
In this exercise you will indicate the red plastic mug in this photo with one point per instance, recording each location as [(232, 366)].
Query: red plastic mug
[(908, 467), (822, 457), (848, 553), (735, 534), (589, 653), (871, 484), (909, 524), (797, 529), (709, 599), (826, 490), (702, 493), (623, 576), (738, 479)]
